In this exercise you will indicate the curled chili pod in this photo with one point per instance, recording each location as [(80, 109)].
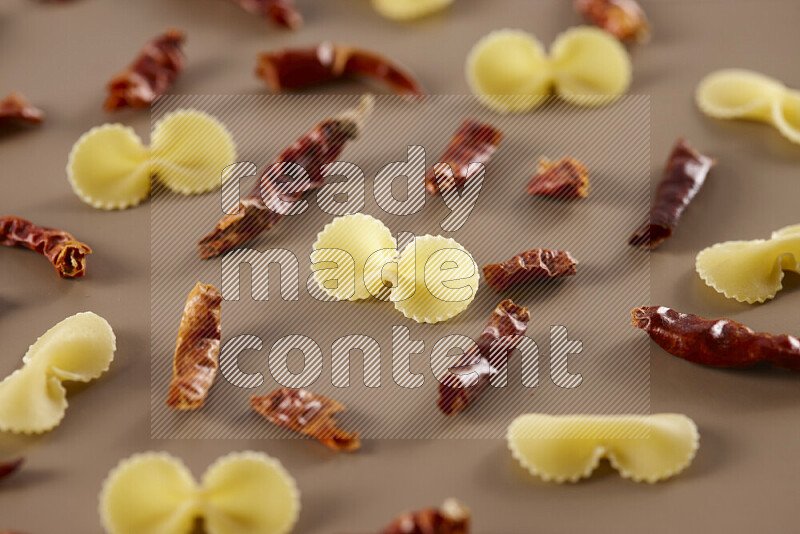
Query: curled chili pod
[(281, 12), (265, 205), (307, 413), (474, 142), (624, 19), (67, 254), (15, 109), (470, 377), (716, 343), (196, 359), (450, 518), (9, 468), (530, 266), (684, 175), (150, 75), (299, 68), (566, 179)]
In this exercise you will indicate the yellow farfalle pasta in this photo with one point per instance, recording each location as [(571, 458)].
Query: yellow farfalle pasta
[(748, 95), (355, 257), (436, 280), (510, 71), (644, 448), (242, 493), (751, 271), (342, 250), (78, 349), (109, 167), (189, 150), (409, 9)]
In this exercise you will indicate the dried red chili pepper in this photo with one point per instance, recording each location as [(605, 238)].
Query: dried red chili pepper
[(9, 468), (259, 212), (298, 68), (307, 413), (474, 142), (451, 518), (196, 360), (150, 75), (67, 254), (566, 178), (470, 377), (15, 109), (281, 12), (684, 175), (530, 266), (717, 343), (624, 19)]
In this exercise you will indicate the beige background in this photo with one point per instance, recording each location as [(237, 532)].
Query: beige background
[(745, 476)]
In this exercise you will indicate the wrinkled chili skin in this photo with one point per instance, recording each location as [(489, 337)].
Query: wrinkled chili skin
[(196, 360), (715, 343), (474, 142), (684, 175), (150, 75), (67, 254), (307, 413), (624, 19), (430, 521), (9, 468), (565, 179), (530, 266), (281, 12), (15, 109), (320, 146), (470, 377), (293, 69)]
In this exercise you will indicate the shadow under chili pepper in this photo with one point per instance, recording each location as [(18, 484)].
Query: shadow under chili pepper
[(7, 306), (16, 130)]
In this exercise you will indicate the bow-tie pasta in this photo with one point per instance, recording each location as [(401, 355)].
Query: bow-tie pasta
[(510, 71), (644, 448), (748, 95), (437, 279), (341, 251), (110, 168), (243, 493), (78, 349), (751, 271), (409, 9), (189, 151)]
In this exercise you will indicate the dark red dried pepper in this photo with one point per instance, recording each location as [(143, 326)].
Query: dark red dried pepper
[(451, 518), (67, 254), (530, 266), (15, 109), (470, 377), (150, 75), (281, 12), (566, 179), (299, 68), (307, 413), (717, 343), (257, 213), (196, 359), (684, 175), (624, 19), (474, 142), (9, 468)]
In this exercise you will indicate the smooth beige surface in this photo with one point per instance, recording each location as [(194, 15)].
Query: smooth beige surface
[(744, 478)]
